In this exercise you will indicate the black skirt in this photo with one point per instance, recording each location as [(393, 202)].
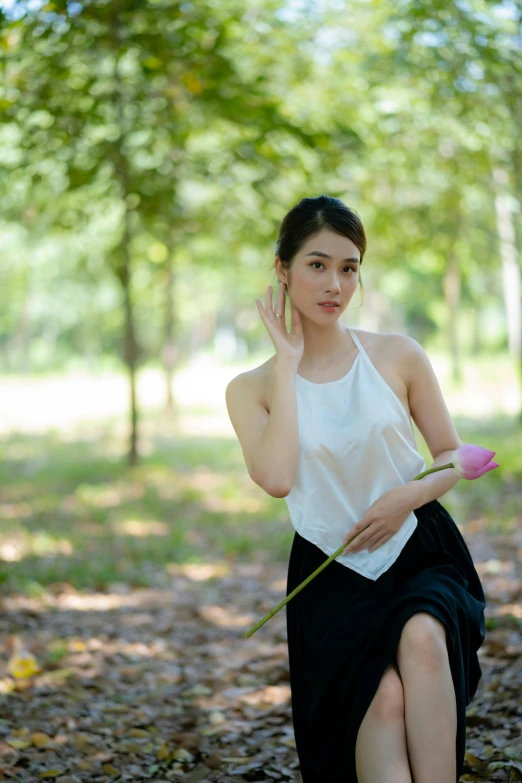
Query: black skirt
[(343, 630)]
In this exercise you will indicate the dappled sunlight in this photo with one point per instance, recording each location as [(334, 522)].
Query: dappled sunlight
[(494, 566), (12, 550), (140, 527), (21, 543), (115, 529), (71, 599), (199, 572), (278, 585), (15, 510), (109, 495), (204, 480), (170, 488), (267, 697), (223, 617), (44, 544), (210, 483), (170, 492), (261, 698), (513, 610), (236, 505)]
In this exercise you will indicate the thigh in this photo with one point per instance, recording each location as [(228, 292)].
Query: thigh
[(388, 700)]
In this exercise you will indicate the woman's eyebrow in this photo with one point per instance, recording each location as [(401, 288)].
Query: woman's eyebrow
[(325, 255)]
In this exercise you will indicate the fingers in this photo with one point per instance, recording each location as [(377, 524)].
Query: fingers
[(269, 310), (371, 544), (260, 309), (281, 300), (268, 301), (354, 536), (279, 303), (355, 547)]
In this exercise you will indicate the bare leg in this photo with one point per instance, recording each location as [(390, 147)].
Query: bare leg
[(431, 709), (380, 750)]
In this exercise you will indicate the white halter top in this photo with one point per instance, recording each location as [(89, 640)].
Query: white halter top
[(356, 443)]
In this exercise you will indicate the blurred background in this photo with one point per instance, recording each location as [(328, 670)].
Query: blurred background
[(148, 153)]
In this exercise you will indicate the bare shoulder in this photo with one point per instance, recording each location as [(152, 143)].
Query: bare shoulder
[(373, 340), (407, 353), (259, 381), (252, 380), (383, 349)]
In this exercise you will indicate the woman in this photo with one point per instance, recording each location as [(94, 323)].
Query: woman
[(383, 642)]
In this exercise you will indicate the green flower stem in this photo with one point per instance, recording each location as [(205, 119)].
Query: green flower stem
[(272, 612), (434, 470), (280, 605)]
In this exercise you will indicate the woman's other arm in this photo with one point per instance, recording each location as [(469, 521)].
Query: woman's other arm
[(269, 440)]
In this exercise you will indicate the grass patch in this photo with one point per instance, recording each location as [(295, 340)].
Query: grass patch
[(73, 511)]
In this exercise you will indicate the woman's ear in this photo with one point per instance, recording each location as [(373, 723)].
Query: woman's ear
[(280, 272)]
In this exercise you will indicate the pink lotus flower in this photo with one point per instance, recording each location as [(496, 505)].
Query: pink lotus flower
[(469, 462), (472, 461)]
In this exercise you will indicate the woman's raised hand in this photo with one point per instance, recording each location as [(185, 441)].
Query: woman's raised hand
[(288, 345)]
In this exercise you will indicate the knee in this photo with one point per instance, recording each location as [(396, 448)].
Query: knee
[(388, 702), (423, 637)]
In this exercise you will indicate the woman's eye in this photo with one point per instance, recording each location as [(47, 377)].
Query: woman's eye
[(321, 264)]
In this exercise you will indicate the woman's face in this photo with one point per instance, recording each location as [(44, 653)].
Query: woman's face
[(326, 267)]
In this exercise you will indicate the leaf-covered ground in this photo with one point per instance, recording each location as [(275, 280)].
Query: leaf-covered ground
[(133, 589), (161, 684)]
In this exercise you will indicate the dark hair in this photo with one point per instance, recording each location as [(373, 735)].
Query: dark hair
[(309, 217)]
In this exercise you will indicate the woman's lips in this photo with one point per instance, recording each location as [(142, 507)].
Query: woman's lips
[(329, 308)]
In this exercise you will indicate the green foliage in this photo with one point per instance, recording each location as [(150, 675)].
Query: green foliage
[(182, 132)]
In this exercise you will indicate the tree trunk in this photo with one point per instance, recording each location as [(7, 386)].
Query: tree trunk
[(124, 261), (130, 342), (169, 352)]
